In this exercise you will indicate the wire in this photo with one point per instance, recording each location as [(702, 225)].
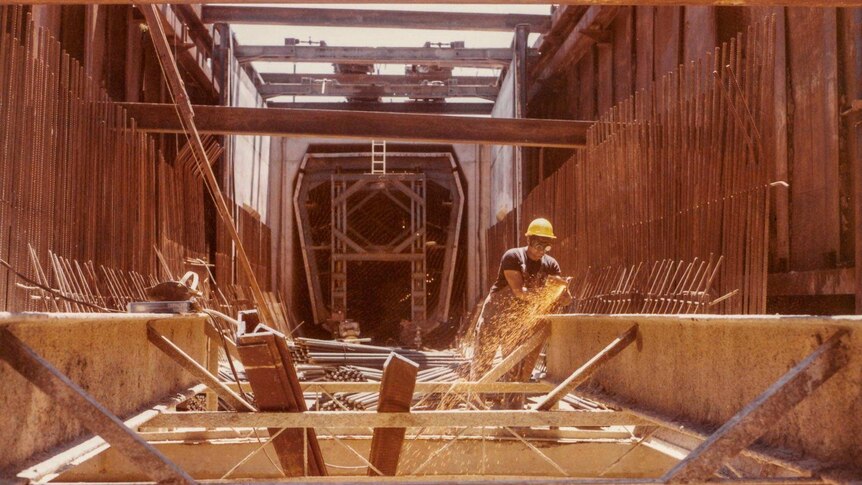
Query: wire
[(55, 292)]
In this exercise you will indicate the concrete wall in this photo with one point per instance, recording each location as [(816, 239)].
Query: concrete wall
[(107, 355), (502, 157), (703, 370)]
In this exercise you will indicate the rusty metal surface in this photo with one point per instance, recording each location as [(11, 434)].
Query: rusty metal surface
[(673, 181)]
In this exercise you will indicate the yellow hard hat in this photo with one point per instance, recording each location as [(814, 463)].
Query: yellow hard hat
[(542, 228)]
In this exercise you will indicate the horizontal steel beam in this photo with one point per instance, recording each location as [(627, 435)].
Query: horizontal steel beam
[(373, 419), (380, 107), (437, 56), (338, 17), (347, 78), (377, 91), (680, 3), (162, 118)]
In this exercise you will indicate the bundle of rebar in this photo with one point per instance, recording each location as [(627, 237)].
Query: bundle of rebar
[(328, 352)]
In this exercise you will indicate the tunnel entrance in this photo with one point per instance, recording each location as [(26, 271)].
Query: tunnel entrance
[(382, 248)]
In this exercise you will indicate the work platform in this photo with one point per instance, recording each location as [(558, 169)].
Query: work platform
[(673, 395)]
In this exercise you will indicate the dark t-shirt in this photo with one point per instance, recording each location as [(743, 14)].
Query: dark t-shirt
[(534, 272)]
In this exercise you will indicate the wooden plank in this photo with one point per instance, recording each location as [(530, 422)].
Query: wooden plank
[(587, 102), (396, 396), (372, 419), (350, 78), (759, 415), (162, 118), (379, 19), (194, 368), (331, 387), (437, 56), (814, 187), (273, 380), (67, 457), (510, 361), (72, 399), (585, 371)]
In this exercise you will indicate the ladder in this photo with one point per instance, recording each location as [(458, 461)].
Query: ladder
[(378, 157)]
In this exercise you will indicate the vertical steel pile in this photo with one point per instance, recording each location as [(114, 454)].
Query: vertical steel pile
[(670, 178), (86, 193)]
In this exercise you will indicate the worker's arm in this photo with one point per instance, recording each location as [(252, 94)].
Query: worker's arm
[(516, 283)]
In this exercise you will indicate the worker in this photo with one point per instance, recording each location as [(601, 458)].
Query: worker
[(524, 272)]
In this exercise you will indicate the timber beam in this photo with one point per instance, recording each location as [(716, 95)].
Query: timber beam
[(331, 387), (373, 419), (762, 413), (415, 107), (72, 399), (378, 91), (338, 17), (432, 56), (162, 118), (354, 78)]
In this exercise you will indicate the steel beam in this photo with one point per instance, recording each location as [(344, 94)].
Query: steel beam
[(415, 107), (435, 56), (378, 91), (162, 118), (395, 19), (352, 78)]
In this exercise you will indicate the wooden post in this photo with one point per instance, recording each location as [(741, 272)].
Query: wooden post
[(186, 362), (585, 371), (519, 64), (186, 116), (759, 415), (95, 417), (396, 395)]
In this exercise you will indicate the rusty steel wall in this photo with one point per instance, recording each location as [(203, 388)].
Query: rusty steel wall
[(85, 198), (665, 210)]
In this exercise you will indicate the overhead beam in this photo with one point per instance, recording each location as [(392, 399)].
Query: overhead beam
[(377, 91), (373, 419), (378, 19), (678, 3), (434, 56), (353, 78), (382, 107), (72, 399), (162, 118), (757, 417)]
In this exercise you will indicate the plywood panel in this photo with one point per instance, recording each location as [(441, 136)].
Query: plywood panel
[(814, 209)]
